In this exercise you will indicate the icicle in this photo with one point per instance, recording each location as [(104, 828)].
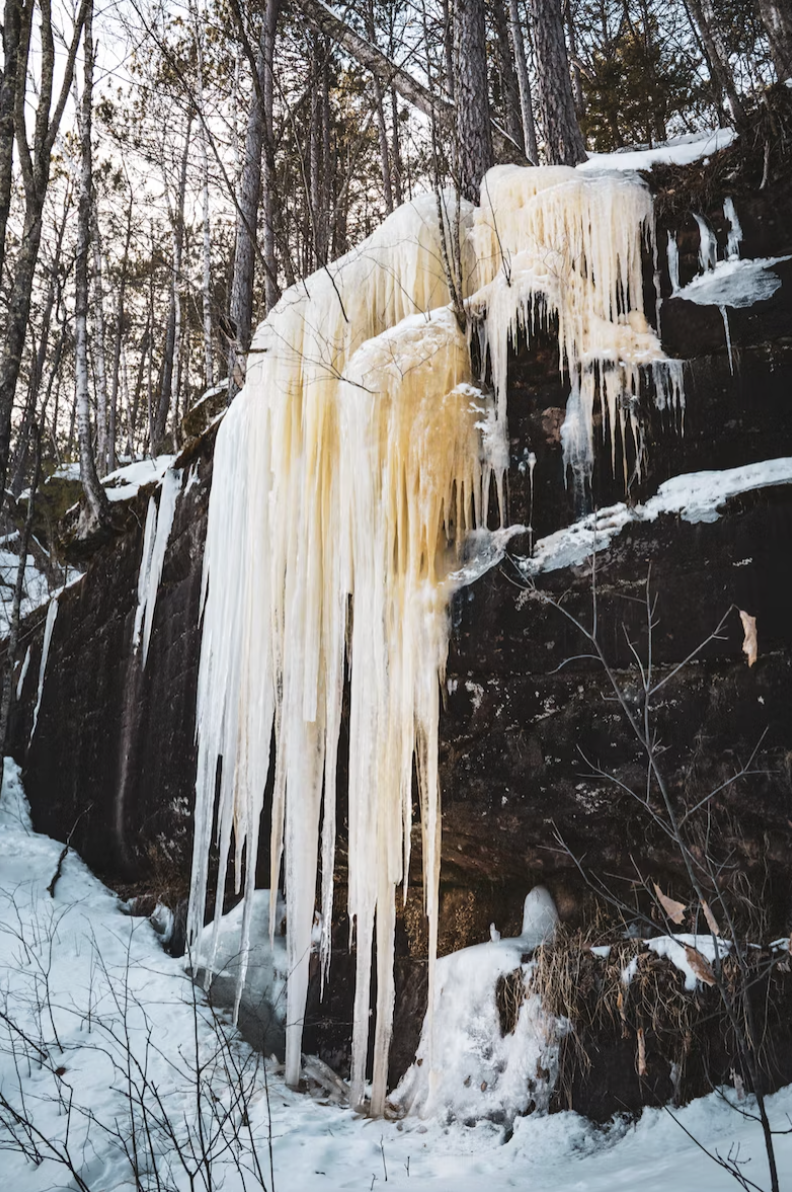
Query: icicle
[(171, 487), (145, 570), (725, 317), (708, 245), (357, 462), (574, 245), (735, 231), (673, 262), (52, 613), (23, 674), (286, 545), (531, 469)]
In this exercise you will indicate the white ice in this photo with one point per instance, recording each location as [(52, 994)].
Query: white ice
[(49, 625)]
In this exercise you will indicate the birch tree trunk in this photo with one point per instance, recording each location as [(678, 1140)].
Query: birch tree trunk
[(206, 279), (564, 144), (524, 83), (118, 343), (474, 132), (95, 496)]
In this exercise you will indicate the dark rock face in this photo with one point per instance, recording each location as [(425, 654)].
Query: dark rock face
[(531, 737), (114, 749)]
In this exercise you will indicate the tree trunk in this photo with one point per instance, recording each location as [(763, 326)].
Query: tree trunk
[(564, 144), (398, 188), (259, 136), (16, 606), (524, 83), (706, 22), (100, 369), (577, 78), (509, 86), (35, 162), (96, 498), (777, 20), (382, 128), (16, 45), (170, 360), (120, 332), (391, 75), (474, 130), (206, 279)]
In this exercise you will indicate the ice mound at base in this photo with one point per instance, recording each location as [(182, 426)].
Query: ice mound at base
[(487, 1052), (220, 957)]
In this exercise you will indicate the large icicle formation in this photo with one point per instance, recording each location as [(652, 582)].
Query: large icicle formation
[(355, 463), (558, 244)]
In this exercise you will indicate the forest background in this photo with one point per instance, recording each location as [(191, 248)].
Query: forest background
[(168, 169)]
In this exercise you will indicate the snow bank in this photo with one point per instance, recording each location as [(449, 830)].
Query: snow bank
[(110, 980)]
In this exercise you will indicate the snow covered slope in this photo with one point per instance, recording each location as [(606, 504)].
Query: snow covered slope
[(93, 1014)]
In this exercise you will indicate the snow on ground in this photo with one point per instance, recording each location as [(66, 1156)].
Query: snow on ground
[(78, 978), (681, 152), (693, 496)]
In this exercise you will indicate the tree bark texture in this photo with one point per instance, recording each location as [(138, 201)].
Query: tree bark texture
[(524, 83), (170, 360), (776, 16), (474, 131), (258, 139), (509, 86), (96, 498), (564, 144)]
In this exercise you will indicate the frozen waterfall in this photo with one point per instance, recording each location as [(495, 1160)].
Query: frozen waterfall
[(348, 474)]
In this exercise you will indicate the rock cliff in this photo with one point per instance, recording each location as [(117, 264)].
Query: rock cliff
[(531, 736)]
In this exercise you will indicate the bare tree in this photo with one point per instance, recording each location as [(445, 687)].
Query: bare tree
[(95, 495), (675, 820), (35, 161)]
